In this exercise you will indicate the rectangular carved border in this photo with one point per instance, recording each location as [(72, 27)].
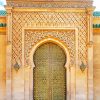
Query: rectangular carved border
[(28, 71)]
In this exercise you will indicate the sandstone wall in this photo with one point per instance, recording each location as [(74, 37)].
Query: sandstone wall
[(97, 66), (2, 60)]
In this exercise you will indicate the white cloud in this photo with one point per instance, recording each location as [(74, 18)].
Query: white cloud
[(2, 2), (97, 5), (2, 8)]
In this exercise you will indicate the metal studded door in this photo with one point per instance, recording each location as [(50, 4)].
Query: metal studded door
[(49, 75)]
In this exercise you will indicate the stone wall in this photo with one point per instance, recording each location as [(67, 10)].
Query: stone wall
[(2, 60), (96, 66), (96, 62)]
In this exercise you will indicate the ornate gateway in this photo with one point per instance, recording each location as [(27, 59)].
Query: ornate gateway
[(48, 48)]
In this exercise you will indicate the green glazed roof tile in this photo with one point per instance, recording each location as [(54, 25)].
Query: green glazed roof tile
[(2, 24), (96, 25), (3, 13), (96, 14)]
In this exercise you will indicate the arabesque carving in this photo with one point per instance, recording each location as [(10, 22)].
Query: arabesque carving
[(49, 19), (34, 36)]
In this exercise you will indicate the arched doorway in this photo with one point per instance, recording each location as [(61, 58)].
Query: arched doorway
[(49, 74)]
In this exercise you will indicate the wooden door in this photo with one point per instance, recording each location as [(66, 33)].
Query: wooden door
[(49, 75)]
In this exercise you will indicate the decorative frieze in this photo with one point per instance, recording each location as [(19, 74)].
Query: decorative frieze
[(57, 4)]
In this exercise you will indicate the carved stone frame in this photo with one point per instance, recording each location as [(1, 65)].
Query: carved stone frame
[(71, 95), (70, 72)]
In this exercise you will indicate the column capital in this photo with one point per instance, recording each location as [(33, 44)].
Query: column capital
[(89, 11), (90, 43), (9, 10)]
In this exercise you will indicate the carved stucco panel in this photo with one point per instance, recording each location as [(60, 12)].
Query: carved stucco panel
[(48, 19), (32, 37)]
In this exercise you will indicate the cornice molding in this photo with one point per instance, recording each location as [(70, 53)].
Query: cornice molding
[(50, 4), (49, 9), (23, 9)]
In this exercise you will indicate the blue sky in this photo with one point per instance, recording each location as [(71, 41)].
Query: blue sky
[(96, 3)]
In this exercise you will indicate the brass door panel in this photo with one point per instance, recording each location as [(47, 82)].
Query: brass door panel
[(49, 75)]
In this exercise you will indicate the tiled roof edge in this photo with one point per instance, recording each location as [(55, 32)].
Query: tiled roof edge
[(3, 24), (96, 25), (3, 13), (96, 14)]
